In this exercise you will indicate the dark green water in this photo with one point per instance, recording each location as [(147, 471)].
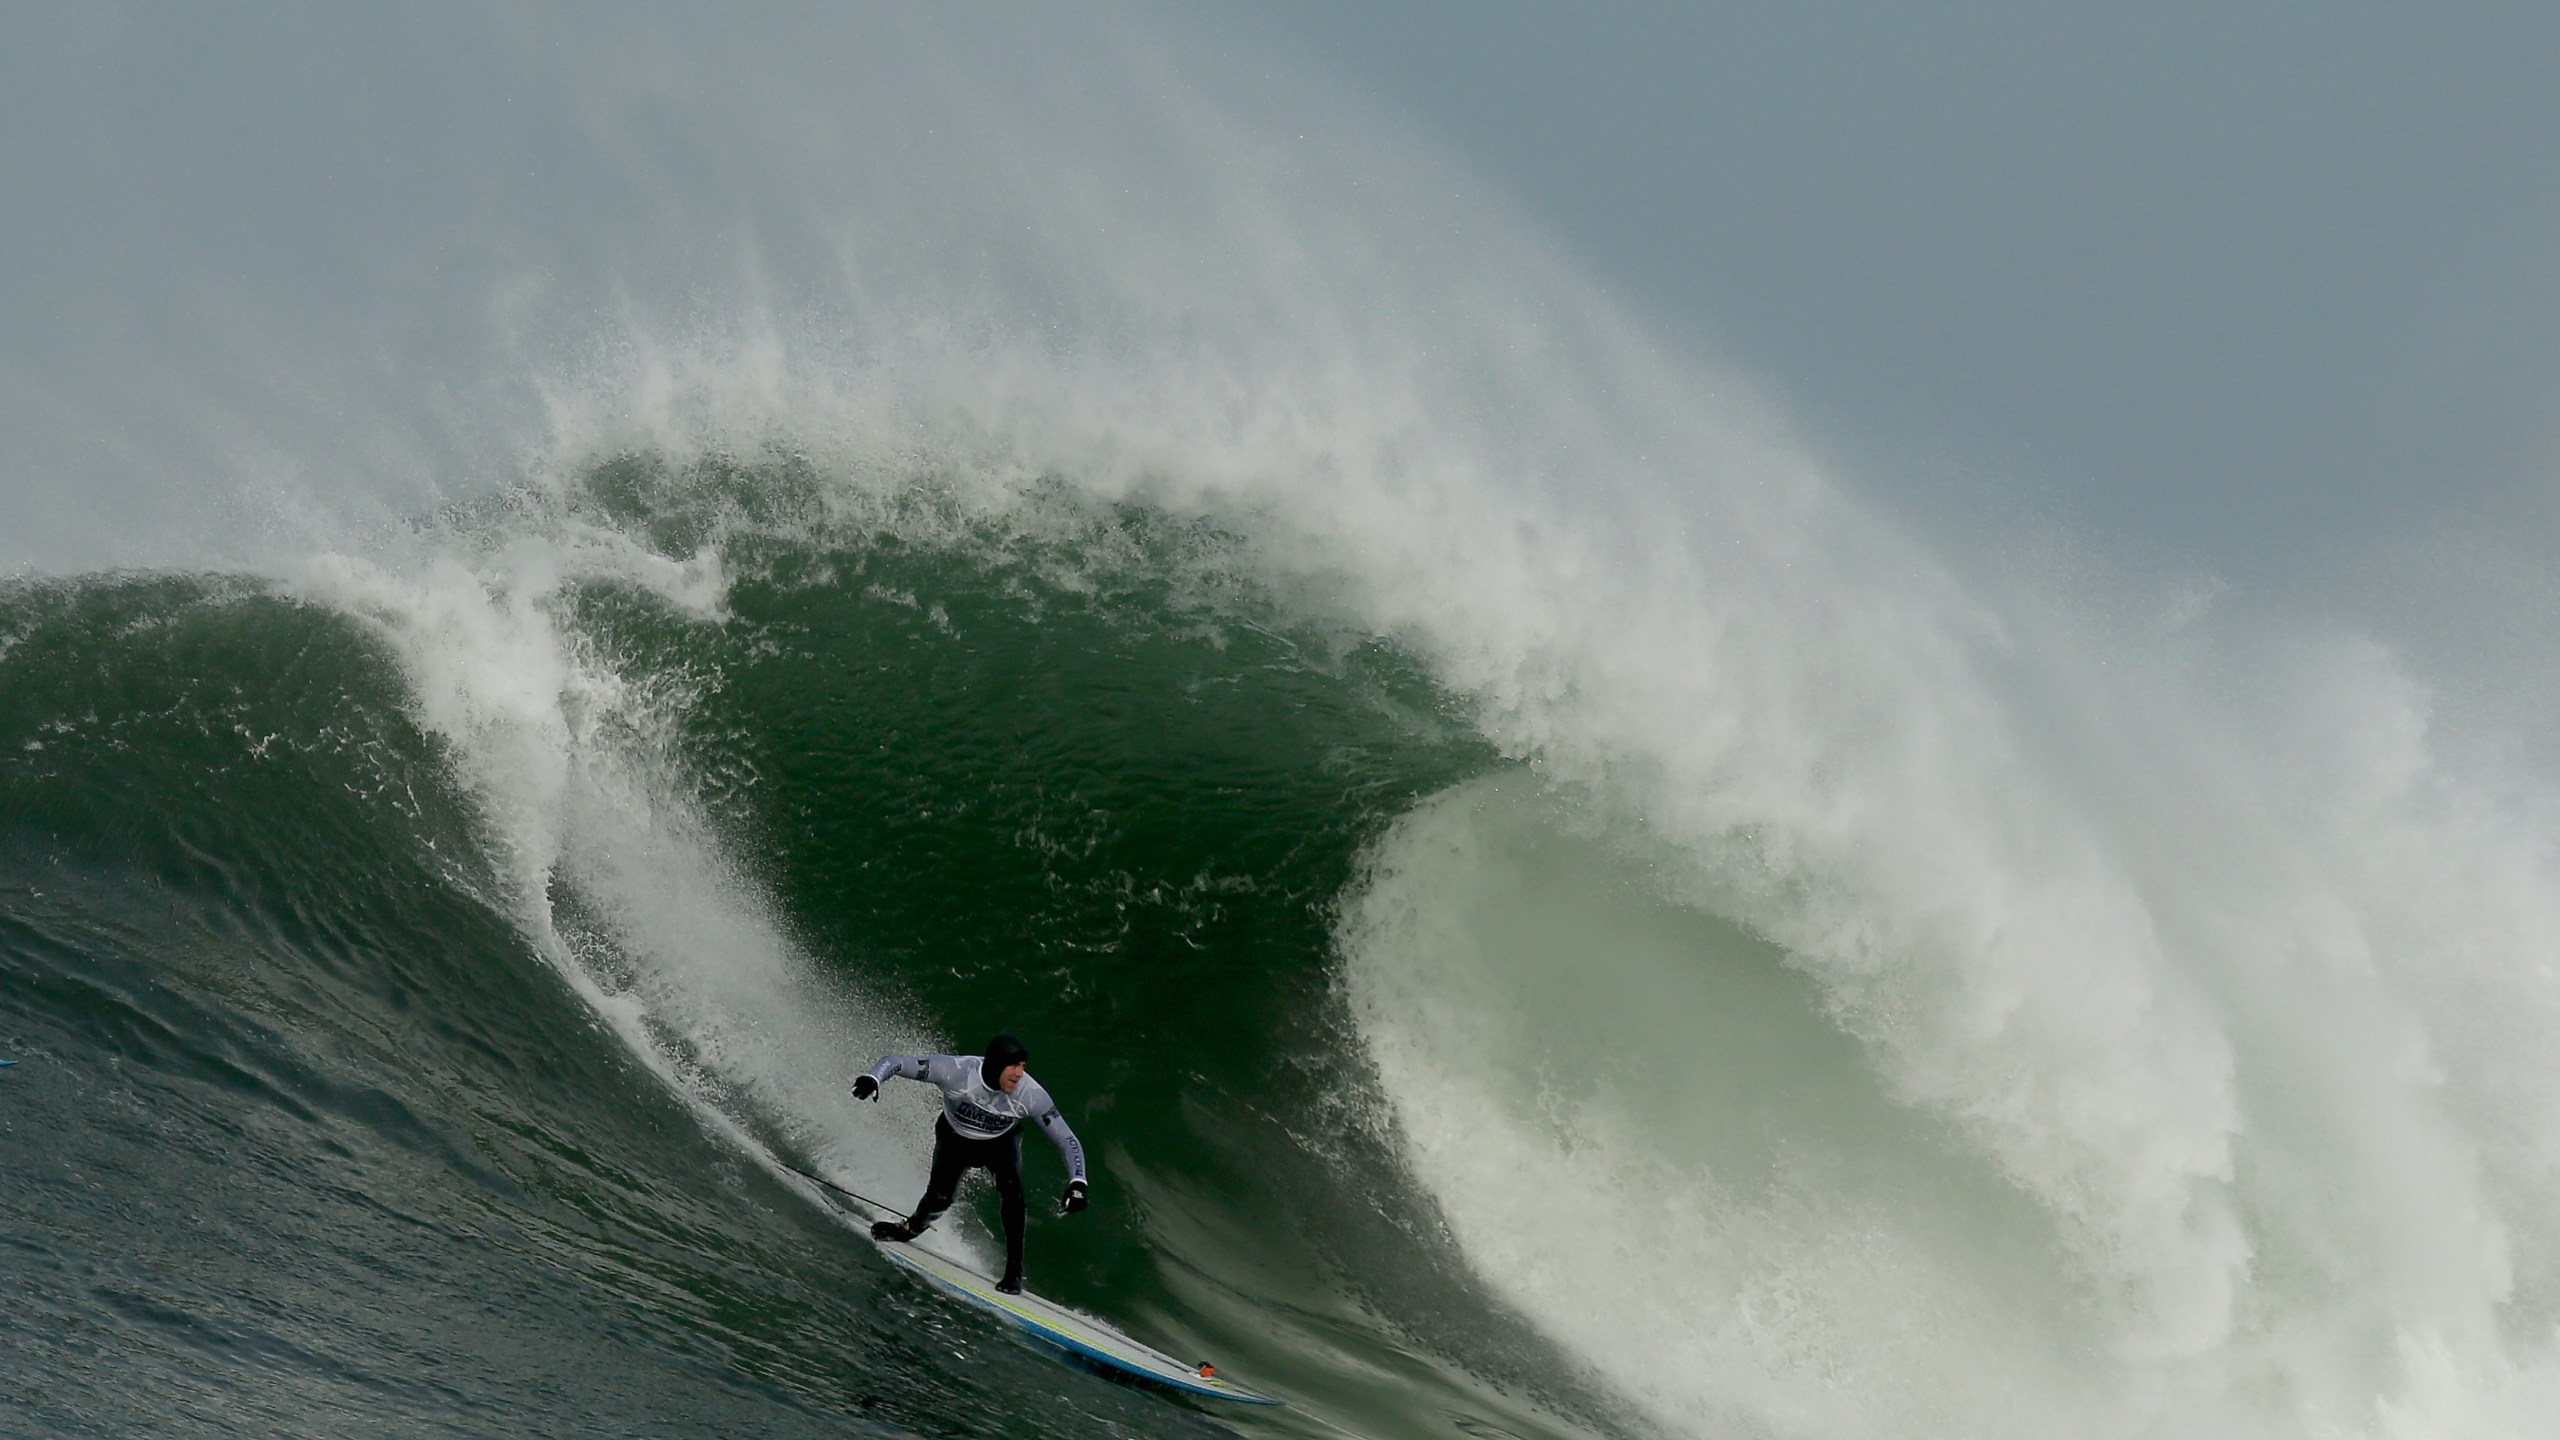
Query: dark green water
[(318, 1129)]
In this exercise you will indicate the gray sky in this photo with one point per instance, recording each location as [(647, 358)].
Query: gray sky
[(2229, 283), (2196, 276)]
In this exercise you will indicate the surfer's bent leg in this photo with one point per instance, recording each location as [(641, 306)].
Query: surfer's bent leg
[(1004, 1161), (951, 1160)]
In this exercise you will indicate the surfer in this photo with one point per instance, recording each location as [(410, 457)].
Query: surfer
[(985, 1099)]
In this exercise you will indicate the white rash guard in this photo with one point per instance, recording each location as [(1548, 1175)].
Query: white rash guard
[(979, 1111)]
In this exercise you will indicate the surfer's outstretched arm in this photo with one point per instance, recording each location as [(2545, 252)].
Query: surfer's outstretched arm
[(904, 1067), (933, 1069), (1070, 1148)]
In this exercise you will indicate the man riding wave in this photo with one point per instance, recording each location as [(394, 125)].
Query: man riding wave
[(985, 1099)]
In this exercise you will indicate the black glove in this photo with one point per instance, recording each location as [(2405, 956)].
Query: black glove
[(1075, 1197), (866, 1088)]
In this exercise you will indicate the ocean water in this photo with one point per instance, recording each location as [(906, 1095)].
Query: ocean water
[(1553, 914), (419, 987)]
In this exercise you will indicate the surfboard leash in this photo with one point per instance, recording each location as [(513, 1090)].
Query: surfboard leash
[(840, 1189)]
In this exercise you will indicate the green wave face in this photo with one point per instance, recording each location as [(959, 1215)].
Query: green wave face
[(396, 1063)]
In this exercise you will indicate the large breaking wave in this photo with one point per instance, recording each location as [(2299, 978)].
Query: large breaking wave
[(1553, 912)]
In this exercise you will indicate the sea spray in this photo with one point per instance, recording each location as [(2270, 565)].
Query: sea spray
[(572, 760)]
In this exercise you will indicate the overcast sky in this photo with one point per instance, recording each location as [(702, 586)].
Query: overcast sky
[(2220, 281), (2197, 274)]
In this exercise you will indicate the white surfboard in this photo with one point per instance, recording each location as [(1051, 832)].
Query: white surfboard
[(1079, 1335)]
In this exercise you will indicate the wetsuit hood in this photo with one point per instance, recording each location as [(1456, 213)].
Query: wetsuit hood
[(1003, 1050)]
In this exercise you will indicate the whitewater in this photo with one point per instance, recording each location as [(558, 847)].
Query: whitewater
[(1556, 912)]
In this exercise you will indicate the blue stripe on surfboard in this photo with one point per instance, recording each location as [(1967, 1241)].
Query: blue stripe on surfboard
[(1173, 1377)]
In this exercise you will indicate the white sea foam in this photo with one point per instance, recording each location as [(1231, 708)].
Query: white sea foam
[(2188, 941), (678, 950)]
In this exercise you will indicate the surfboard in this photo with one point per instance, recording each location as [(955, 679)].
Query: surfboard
[(1078, 1334)]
